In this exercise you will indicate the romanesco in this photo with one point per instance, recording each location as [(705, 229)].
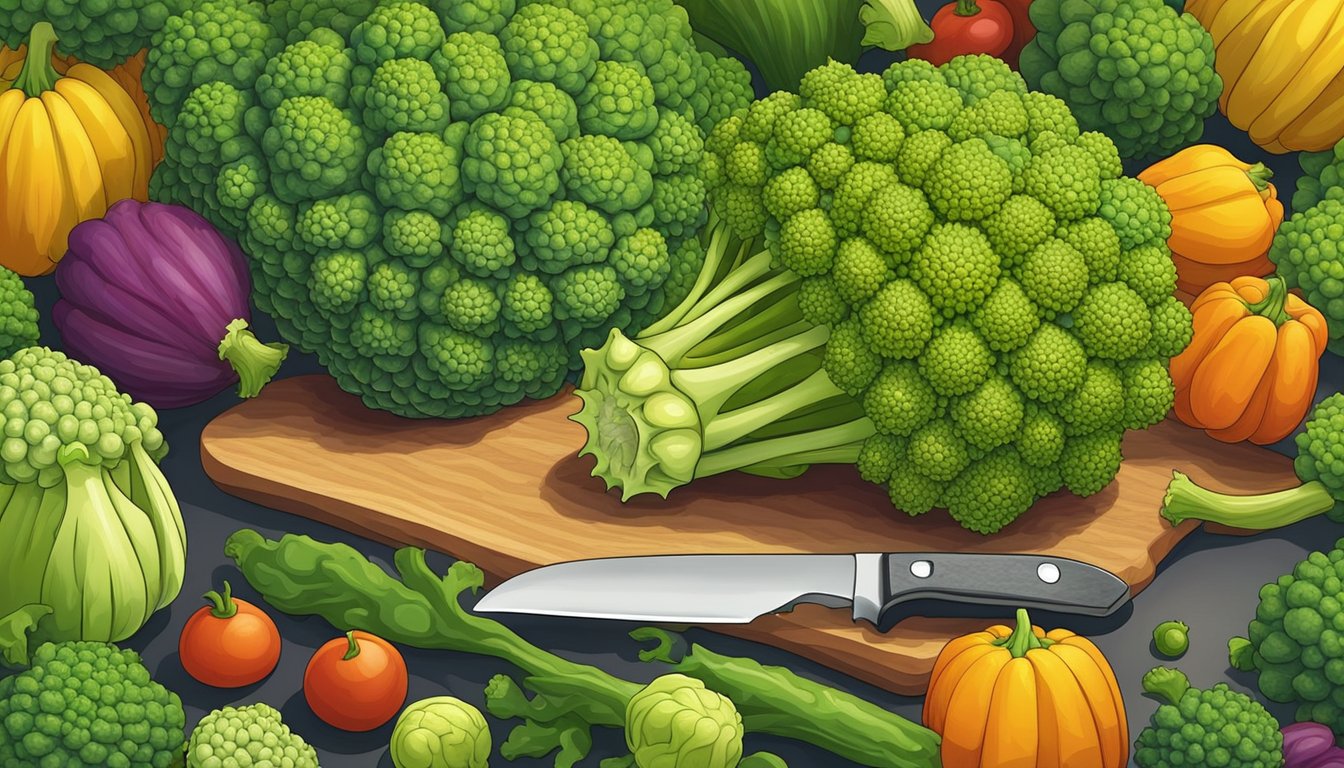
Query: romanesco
[(254, 736)]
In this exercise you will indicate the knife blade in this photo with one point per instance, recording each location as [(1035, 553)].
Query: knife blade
[(736, 589)]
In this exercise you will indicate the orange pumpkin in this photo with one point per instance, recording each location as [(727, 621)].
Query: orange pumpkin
[(126, 74), (1250, 370), (1224, 213), (1021, 697)]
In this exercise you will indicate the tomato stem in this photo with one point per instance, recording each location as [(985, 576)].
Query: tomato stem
[(1273, 305), (353, 649), (38, 75), (222, 606), (1022, 639), (1260, 174), (967, 8)]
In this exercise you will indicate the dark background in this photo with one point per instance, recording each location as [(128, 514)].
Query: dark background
[(1209, 581)]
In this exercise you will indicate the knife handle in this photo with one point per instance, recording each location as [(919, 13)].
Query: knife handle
[(1022, 581)]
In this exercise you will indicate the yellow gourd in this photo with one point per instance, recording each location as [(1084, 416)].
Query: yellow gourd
[(70, 146), (1282, 64)]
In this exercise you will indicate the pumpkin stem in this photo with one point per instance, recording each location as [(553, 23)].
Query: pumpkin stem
[(1166, 683), (223, 606), (352, 650), (967, 8), (38, 75), (1022, 639), (1260, 174), (254, 362), (1274, 303)]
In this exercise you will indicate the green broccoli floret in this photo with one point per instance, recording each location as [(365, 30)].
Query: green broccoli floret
[(1089, 463), (968, 181), (844, 95), (1136, 70), (1214, 726), (99, 33), (1308, 254), (208, 135), (727, 89), (88, 705), (991, 493), (396, 29), (339, 223), (415, 237), (18, 314), (317, 66), (1018, 226), (253, 735), (314, 147), (405, 95), (1322, 177), (512, 162), (414, 171), (476, 15), (550, 43), (225, 41), (1136, 212), (1318, 465), (797, 134), (601, 171), (1114, 323), (294, 20), (476, 75)]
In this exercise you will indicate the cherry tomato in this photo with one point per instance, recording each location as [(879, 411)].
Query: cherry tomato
[(229, 643), (356, 683), (964, 27)]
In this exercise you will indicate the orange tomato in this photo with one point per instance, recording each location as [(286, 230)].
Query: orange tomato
[(356, 683), (229, 643)]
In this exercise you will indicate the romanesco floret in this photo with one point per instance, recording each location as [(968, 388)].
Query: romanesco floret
[(1136, 70), (1308, 254), (88, 705), (253, 736), (550, 152), (1214, 726), (18, 314)]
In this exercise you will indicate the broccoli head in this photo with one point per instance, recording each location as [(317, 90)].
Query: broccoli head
[(252, 736), (1308, 254), (18, 314), (88, 705), (1135, 70), (446, 201), (94, 31), (1322, 177), (958, 294), (1214, 726)]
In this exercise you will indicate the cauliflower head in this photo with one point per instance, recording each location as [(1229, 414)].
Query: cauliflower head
[(247, 737)]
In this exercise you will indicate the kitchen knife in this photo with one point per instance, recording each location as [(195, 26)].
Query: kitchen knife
[(735, 589)]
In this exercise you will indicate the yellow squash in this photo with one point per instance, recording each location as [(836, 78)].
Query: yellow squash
[(1021, 697), (1282, 64), (70, 146)]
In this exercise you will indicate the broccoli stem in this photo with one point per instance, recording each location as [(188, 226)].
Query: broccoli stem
[(1260, 174), (255, 363), (1186, 500), (38, 75), (222, 606), (1023, 638), (731, 379), (1166, 683)]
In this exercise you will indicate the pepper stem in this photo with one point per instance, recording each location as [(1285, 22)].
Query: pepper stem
[(1022, 639), (967, 8), (1274, 303), (254, 362), (38, 75), (222, 605), (352, 650), (1260, 174)]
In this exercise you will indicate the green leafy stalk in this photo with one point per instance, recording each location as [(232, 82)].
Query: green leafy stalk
[(731, 379), (776, 701), (254, 362), (559, 701), (38, 75), (1166, 683), (1185, 500), (14, 630)]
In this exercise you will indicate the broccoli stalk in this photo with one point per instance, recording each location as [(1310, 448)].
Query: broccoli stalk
[(1316, 465), (1166, 683), (732, 379), (254, 362)]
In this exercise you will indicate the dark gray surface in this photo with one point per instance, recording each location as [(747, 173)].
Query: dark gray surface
[(1210, 582)]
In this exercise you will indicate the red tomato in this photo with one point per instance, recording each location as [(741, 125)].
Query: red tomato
[(356, 683), (230, 643), (1023, 29), (964, 27)]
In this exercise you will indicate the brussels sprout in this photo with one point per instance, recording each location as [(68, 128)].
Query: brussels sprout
[(676, 722), (1171, 638), (440, 732)]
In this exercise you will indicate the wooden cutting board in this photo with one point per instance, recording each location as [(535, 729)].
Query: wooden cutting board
[(507, 493)]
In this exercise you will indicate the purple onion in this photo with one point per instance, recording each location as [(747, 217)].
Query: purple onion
[(1310, 745), (157, 299)]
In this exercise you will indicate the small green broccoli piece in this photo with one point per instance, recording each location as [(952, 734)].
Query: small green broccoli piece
[(898, 321), (1007, 318), (857, 187), (860, 270), (601, 171), (897, 219), (88, 705), (788, 193), (1001, 114), (842, 93), (1089, 463), (315, 149), (1172, 638), (1172, 328), (345, 222), (899, 400), (878, 138), (956, 360), (829, 164), (641, 260), (566, 234), (968, 181), (546, 101), (1054, 276), (1215, 726), (956, 267), (512, 162), (483, 244), (475, 77), (1099, 244), (1136, 212), (1040, 442), (253, 735), (808, 242), (850, 361), (405, 95), (990, 415), (1307, 252), (1113, 322), (977, 76), (796, 135), (476, 15), (1136, 70), (1098, 405), (18, 314), (618, 100), (396, 29), (416, 171), (1018, 226), (319, 65), (992, 492), (1150, 272), (1067, 180), (415, 237), (727, 89), (1050, 366), (1149, 392), (1322, 177), (1047, 113), (924, 105)]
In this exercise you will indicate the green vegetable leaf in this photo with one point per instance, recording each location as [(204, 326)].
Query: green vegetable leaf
[(893, 25), (1241, 654), (762, 760), (14, 630)]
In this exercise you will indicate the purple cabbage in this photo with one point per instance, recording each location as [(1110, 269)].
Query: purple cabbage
[(1310, 745), (157, 299)]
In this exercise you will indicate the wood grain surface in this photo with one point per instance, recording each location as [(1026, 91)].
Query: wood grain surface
[(508, 493)]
